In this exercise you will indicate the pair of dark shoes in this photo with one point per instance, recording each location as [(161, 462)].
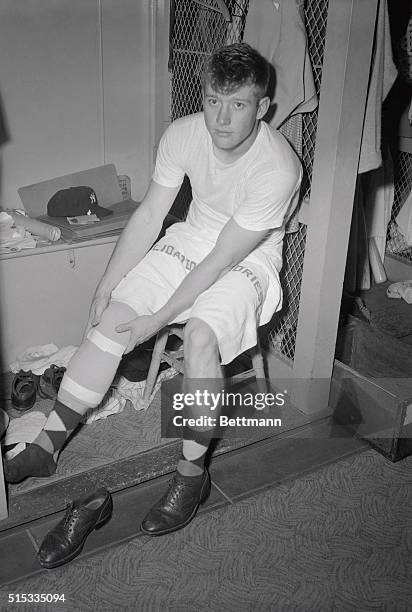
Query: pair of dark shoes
[(172, 512), (26, 386), (66, 540), (179, 504)]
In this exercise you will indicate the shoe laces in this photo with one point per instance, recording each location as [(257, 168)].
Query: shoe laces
[(71, 516), (176, 489)]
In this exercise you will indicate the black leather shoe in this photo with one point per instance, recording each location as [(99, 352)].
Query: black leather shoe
[(178, 506), (65, 541), (23, 390)]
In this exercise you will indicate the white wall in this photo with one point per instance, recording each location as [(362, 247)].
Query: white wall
[(76, 78), (84, 82), (46, 297)]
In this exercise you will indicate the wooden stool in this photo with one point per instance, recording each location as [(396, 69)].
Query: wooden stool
[(176, 360)]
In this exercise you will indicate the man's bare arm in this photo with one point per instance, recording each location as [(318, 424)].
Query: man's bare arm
[(135, 241)]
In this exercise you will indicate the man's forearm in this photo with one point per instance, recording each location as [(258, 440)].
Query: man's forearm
[(138, 236), (133, 244)]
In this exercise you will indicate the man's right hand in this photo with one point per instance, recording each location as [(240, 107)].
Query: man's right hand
[(98, 306)]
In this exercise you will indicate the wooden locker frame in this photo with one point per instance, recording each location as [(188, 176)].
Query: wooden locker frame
[(345, 75)]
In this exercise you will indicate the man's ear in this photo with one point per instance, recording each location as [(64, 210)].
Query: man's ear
[(263, 107)]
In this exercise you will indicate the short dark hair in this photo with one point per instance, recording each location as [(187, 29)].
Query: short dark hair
[(234, 66)]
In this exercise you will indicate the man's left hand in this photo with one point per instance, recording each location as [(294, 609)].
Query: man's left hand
[(142, 328)]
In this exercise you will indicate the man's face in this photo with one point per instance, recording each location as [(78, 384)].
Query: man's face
[(232, 119)]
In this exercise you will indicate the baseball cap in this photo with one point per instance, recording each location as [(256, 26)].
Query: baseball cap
[(75, 201)]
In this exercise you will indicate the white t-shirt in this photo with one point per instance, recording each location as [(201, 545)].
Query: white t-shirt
[(259, 190)]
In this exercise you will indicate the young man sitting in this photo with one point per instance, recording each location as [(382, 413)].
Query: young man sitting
[(218, 271)]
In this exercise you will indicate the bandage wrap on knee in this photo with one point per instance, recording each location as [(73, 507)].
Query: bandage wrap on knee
[(104, 343)]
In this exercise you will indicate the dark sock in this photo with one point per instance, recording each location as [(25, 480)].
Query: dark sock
[(33, 461), (39, 457)]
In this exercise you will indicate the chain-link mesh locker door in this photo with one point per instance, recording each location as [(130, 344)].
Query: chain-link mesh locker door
[(396, 242), (282, 336), (196, 31)]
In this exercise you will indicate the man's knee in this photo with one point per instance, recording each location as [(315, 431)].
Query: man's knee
[(199, 339), (115, 314)]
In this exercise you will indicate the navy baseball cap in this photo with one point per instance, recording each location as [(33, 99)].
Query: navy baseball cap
[(75, 201)]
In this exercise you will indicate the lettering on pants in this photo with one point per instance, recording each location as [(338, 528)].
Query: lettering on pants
[(252, 277), (169, 249)]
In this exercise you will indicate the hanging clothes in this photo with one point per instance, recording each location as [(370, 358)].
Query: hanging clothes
[(292, 130), (403, 47), (378, 200), (377, 178), (276, 29), (382, 76), (404, 219)]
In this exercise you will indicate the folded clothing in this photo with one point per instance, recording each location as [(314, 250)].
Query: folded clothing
[(39, 358), (402, 289), (126, 391)]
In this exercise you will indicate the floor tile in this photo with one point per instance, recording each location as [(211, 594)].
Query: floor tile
[(17, 557), (271, 461)]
